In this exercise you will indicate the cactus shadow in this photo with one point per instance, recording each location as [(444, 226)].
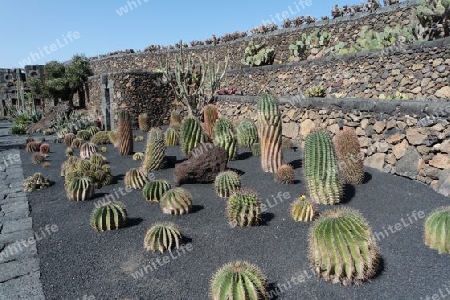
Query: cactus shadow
[(272, 289), (196, 208), (116, 178), (348, 193), (98, 196), (367, 177), (131, 222), (244, 155), (239, 172), (266, 217), (186, 240), (296, 164), (380, 267)]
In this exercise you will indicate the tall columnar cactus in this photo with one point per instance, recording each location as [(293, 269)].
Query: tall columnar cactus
[(348, 152), (125, 133), (269, 119), (155, 151), (172, 135), (247, 133), (162, 236), (80, 189), (87, 150), (225, 137), (244, 208), (437, 230), (109, 216), (191, 135), (154, 190), (302, 210), (321, 168), (342, 248), (176, 201), (226, 183), (144, 122), (210, 116), (136, 178), (238, 280), (285, 174)]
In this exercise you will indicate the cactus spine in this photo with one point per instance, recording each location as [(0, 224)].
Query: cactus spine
[(125, 133), (247, 133), (226, 183), (109, 216), (155, 151), (269, 119), (191, 134), (224, 137), (437, 230), (210, 115), (154, 190), (244, 208), (348, 152)]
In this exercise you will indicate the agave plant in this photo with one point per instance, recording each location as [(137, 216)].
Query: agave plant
[(109, 216), (162, 236)]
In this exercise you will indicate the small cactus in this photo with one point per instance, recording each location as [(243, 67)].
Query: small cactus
[(144, 122), (303, 210), (172, 135), (35, 182), (69, 151), (162, 236), (139, 138), (136, 178), (226, 183), (125, 133), (154, 190), (33, 147), (109, 216), (84, 135), (80, 189), (155, 150), (256, 149), (38, 158), (210, 115), (224, 136), (29, 139), (87, 150), (285, 174), (244, 208), (68, 139), (437, 230), (44, 148), (103, 149), (76, 143), (101, 138), (176, 201), (348, 152), (92, 130), (97, 159), (191, 135), (238, 280), (138, 156), (246, 133)]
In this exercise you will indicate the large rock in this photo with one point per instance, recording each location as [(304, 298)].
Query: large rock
[(400, 149), (306, 127), (443, 93), (204, 163), (408, 165), (440, 161), (443, 186), (415, 137), (375, 161), (290, 130)]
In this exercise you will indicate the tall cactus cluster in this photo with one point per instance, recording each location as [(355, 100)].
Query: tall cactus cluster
[(225, 137), (125, 133), (144, 122), (342, 248), (210, 116), (191, 135), (246, 133), (321, 168), (269, 119), (109, 216), (155, 151), (348, 152), (244, 208), (437, 230)]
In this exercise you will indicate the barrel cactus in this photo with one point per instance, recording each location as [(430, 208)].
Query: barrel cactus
[(172, 135), (321, 168), (342, 248), (191, 135), (348, 152), (68, 139), (144, 122), (246, 133), (97, 159), (154, 190), (155, 150), (244, 208), (285, 174), (176, 201), (38, 158), (113, 138), (109, 216), (138, 156), (87, 150), (225, 137), (33, 146), (226, 183), (44, 148), (136, 178), (92, 130), (125, 133), (238, 280), (162, 236), (76, 143), (210, 116), (437, 230), (269, 119), (80, 189), (84, 135), (101, 138), (256, 149), (303, 210)]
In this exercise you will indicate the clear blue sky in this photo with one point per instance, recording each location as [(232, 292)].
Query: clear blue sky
[(58, 29)]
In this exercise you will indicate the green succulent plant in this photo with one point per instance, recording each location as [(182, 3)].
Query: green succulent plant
[(38, 158), (155, 150), (176, 201), (246, 133), (34, 182), (101, 138), (80, 189), (348, 152), (124, 133), (76, 143), (244, 208), (258, 55), (224, 136), (256, 149), (93, 130), (144, 122), (191, 135), (437, 230), (226, 183), (154, 190), (136, 178), (302, 210), (316, 91), (172, 135), (97, 159), (138, 156), (162, 236), (109, 216)]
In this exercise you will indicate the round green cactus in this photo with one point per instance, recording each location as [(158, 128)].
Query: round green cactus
[(191, 135), (92, 130), (109, 216), (172, 135), (238, 280), (80, 189), (84, 135), (437, 230), (68, 139), (256, 149), (244, 208), (225, 137), (226, 183), (348, 152), (154, 190), (247, 133), (136, 178), (155, 151), (97, 159), (342, 248), (285, 174), (76, 143), (138, 156), (176, 201), (303, 210), (162, 236)]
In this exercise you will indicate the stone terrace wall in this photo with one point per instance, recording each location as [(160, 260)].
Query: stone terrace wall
[(409, 139), (342, 29)]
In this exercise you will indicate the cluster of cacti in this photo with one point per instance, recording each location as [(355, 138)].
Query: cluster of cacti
[(136, 178), (226, 183), (101, 138), (97, 159), (437, 230), (258, 55), (76, 143), (312, 45), (44, 148), (139, 138), (68, 139), (269, 119), (316, 91), (432, 20), (162, 236), (176, 201), (144, 122), (302, 210), (155, 150), (225, 137), (87, 150), (172, 135), (138, 156), (113, 138), (93, 130), (244, 208), (342, 247), (38, 158), (95, 168), (68, 164), (321, 168), (348, 152), (246, 133), (125, 133), (238, 280), (80, 189), (285, 174), (84, 135), (175, 118), (155, 189), (394, 96), (256, 149), (69, 151), (35, 182), (109, 216), (33, 146), (61, 133), (191, 135), (210, 116)]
